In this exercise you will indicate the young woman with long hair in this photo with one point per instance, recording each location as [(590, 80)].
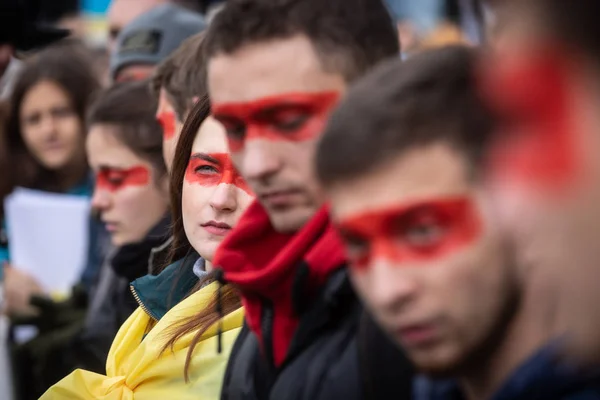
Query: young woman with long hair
[(169, 347)]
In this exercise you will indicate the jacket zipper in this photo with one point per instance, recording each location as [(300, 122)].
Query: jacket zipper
[(142, 306)]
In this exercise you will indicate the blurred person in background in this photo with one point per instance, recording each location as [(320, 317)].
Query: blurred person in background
[(45, 140), (427, 254), (122, 12), (543, 79), (149, 39), (169, 346), (177, 83)]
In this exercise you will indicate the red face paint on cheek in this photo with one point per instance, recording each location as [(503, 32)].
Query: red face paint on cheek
[(419, 232), (167, 121), (213, 169), (537, 146), (113, 179), (294, 117)]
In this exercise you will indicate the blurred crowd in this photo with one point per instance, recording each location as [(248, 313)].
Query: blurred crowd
[(307, 199)]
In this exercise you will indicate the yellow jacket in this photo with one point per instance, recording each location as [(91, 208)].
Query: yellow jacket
[(136, 368)]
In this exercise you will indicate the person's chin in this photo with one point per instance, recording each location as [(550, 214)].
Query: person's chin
[(292, 219), (435, 363), (207, 247)]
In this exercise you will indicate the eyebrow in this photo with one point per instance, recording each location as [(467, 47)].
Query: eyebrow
[(204, 157)]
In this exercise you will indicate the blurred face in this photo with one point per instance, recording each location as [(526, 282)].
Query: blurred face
[(165, 114), (134, 73), (545, 173), (274, 99), (122, 12), (425, 256), (126, 193), (214, 194), (51, 129)]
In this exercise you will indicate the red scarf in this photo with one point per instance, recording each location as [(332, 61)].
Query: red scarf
[(262, 263)]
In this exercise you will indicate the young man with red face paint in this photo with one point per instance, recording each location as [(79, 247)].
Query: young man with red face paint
[(275, 72), (425, 248), (177, 83), (543, 78)]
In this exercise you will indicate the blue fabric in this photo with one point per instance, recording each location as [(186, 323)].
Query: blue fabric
[(541, 377), (157, 294)]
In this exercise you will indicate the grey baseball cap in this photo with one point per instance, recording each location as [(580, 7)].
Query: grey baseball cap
[(154, 35)]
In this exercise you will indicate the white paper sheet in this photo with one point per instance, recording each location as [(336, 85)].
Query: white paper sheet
[(48, 236)]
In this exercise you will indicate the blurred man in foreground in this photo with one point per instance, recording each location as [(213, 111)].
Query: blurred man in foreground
[(543, 79)]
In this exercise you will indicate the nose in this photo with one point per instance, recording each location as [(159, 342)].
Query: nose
[(224, 198), (392, 287), (48, 125), (259, 160), (100, 200)]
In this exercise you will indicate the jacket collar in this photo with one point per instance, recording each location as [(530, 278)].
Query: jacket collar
[(542, 377), (278, 274), (157, 294)]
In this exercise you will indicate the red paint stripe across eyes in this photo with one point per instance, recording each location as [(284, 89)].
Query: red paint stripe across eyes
[(292, 117), (113, 179), (207, 173), (167, 121), (418, 232), (538, 146)]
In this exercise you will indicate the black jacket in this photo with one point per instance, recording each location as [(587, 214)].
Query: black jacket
[(336, 353)]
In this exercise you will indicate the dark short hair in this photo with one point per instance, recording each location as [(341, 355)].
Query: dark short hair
[(349, 36), (183, 75), (402, 105), (131, 108)]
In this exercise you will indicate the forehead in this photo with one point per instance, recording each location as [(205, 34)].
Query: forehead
[(44, 93), (210, 138), (432, 172), (267, 69), (105, 149)]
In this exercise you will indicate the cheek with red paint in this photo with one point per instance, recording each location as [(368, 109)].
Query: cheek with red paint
[(113, 179), (214, 169), (536, 145), (168, 123), (288, 117), (416, 233)]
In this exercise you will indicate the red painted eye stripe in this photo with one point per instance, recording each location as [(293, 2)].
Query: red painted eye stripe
[(223, 171), (112, 179), (417, 232)]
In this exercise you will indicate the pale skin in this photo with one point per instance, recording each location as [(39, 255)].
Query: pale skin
[(457, 299), (275, 169)]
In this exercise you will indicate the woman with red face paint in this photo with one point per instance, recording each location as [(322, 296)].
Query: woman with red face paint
[(176, 345)]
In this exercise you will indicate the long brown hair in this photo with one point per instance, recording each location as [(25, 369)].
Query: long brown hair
[(227, 300), (68, 65)]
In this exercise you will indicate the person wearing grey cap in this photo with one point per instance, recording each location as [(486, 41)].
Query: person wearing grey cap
[(150, 38)]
